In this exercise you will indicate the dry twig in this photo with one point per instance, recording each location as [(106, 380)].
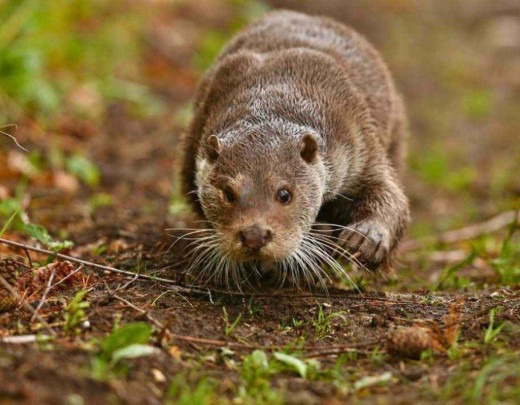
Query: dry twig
[(44, 295), (12, 137), (468, 232), (173, 285), (110, 269)]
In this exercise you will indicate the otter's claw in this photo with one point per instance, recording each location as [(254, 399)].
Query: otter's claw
[(368, 241)]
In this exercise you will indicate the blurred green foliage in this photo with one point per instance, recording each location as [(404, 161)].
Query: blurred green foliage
[(434, 167), (83, 169), (48, 49), (212, 42)]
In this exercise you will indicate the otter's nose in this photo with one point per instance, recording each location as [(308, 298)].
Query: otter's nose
[(255, 237)]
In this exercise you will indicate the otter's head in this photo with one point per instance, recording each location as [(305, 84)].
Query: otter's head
[(260, 191)]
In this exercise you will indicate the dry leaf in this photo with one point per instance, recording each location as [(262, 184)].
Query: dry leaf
[(35, 281)]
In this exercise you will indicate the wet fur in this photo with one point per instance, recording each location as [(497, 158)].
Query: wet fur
[(289, 74)]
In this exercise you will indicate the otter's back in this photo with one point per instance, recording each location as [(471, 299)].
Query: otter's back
[(361, 63)]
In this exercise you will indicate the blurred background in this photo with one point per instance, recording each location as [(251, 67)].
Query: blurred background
[(99, 93)]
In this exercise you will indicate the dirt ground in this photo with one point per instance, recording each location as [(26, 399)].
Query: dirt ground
[(445, 328)]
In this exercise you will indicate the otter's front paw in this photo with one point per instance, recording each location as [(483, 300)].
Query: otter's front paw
[(368, 241)]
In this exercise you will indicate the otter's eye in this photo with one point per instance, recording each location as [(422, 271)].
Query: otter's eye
[(229, 195), (284, 196)]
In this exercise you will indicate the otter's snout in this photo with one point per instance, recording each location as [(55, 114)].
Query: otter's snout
[(255, 237)]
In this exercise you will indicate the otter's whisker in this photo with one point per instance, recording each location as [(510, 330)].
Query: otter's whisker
[(337, 227), (316, 259), (314, 256), (193, 232), (335, 266), (327, 244)]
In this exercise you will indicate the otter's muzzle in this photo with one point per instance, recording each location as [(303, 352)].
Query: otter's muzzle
[(255, 237)]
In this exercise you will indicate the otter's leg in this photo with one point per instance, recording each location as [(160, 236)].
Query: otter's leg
[(375, 219)]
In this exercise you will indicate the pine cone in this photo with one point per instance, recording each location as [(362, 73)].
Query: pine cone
[(9, 271), (409, 342)]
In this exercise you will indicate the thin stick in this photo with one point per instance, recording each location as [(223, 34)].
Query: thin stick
[(15, 294), (110, 269), (336, 352), (194, 289), (23, 339), (469, 232), (14, 140), (28, 257), (44, 295), (157, 323)]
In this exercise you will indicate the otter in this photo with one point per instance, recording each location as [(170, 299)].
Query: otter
[(298, 123)]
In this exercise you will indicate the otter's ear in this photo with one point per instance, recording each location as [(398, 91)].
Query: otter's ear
[(212, 148), (309, 148)]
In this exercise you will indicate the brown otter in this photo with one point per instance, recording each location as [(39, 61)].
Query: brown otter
[(297, 123)]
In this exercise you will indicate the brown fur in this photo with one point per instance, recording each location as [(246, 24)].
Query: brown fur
[(284, 77)]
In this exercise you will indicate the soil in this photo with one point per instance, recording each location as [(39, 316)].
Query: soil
[(138, 158)]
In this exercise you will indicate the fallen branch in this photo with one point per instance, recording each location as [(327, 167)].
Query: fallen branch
[(468, 232)]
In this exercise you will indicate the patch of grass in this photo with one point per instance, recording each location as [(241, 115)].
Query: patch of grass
[(252, 308), (256, 386), (450, 277), (182, 391), (434, 168), (494, 381), (230, 326), (507, 264), (323, 322), (492, 331)]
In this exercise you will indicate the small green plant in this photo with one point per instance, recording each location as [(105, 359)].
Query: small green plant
[(323, 323), (256, 387), (75, 312), (230, 326), (40, 233), (253, 308), (8, 223), (450, 276), (83, 169), (492, 332), (297, 323), (495, 381), (307, 369), (507, 264), (126, 342)]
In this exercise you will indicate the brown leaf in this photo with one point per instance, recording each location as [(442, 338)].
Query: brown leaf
[(32, 282)]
